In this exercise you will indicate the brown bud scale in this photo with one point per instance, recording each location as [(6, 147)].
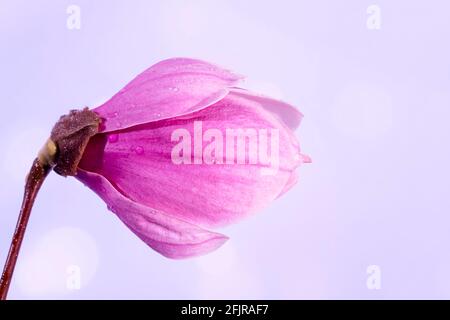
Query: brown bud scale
[(71, 135)]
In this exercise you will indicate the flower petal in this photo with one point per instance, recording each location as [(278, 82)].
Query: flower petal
[(284, 111), (293, 179), (139, 162), (169, 88), (172, 237)]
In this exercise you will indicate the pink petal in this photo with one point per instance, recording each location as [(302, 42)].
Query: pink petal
[(305, 158), (169, 88), (172, 237), (284, 111), (138, 161), (293, 179)]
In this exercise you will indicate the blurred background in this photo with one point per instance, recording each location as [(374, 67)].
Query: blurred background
[(369, 218)]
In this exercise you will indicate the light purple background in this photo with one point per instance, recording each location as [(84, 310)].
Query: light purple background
[(376, 105)]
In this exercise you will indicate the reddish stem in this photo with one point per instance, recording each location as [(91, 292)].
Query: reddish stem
[(35, 178)]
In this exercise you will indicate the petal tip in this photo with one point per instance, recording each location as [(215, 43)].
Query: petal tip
[(305, 158), (195, 250)]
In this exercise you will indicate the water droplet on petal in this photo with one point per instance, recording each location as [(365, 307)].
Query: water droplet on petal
[(139, 150), (113, 138), (118, 124)]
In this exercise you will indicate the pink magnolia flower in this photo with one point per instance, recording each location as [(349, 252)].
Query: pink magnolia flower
[(129, 162), (180, 149)]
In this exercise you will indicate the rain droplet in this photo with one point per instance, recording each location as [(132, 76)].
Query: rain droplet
[(113, 138), (118, 124), (139, 150)]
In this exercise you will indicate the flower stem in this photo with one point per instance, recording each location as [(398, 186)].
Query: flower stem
[(35, 178)]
